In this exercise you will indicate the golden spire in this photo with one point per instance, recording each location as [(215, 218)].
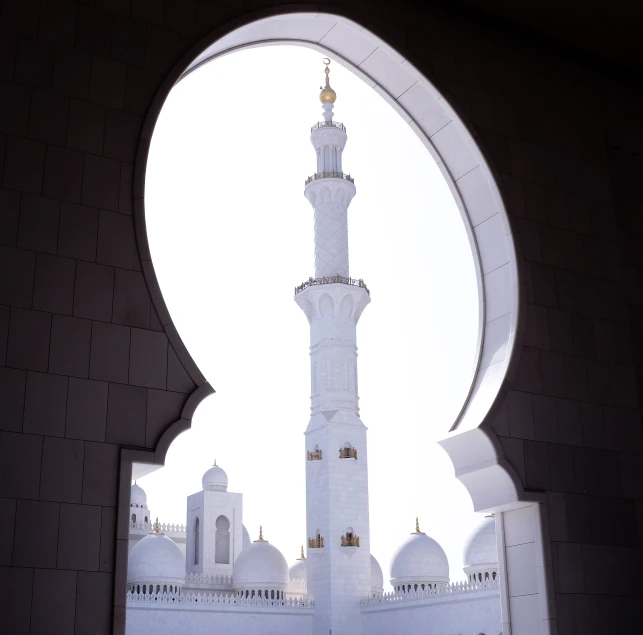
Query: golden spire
[(215, 463), (157, 526), (417, 527), (261, 535), (327, 93), (302, 557), (491, 515)]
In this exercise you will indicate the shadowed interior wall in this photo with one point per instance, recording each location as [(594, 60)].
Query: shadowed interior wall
[(86, 366)]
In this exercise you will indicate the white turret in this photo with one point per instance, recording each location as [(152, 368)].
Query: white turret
[(339, 564)]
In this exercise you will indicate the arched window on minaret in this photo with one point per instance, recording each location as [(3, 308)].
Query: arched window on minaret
[(133, 519), (222, 541), (196, 541)]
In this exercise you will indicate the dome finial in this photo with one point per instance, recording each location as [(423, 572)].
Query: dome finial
[(417, 527), (215, 463), (261, 538), (302, 556), (157, 526), (327, 93)]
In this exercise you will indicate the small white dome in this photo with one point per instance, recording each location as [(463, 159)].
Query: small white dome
[(245, 538), (155, 559), (137, 497), (260, 566), (480, 552), (215, 480), (299, 570), (377, 577), (419, 559)]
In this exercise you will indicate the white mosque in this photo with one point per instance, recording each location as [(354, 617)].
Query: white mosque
[(207, 576)]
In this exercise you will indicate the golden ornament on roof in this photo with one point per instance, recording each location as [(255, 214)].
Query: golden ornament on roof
[(327, 93)]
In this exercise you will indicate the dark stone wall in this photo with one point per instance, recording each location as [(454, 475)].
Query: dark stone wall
[(86, 367)]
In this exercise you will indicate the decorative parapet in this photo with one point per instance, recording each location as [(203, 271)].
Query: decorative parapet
[(350, 541), (218, 599), (332, 280), (457, 588), (328, 124), (297, 584), (209, 579), (316, 543), (347, 453), (164, 528), (329, 175), (314, 455)]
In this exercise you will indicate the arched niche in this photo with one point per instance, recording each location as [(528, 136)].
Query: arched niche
[(472, 446)]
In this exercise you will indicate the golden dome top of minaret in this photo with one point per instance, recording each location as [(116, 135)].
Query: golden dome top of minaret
[(327, 93)]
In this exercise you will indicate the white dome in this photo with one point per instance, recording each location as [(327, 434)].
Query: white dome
[(155, 559), (480, 552), (419, 559), (137, 497), (377, 577), (299, 570), (260, 566), (215, 480), (245, 538)]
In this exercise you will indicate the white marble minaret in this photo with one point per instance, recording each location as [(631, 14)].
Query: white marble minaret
[(336, 459)]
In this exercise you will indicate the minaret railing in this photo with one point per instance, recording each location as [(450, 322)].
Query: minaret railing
[(311, 282), (328, 124), (329, 175)]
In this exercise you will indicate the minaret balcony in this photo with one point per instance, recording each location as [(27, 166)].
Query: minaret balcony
[(316, 543), (350, 540), (329, 175), (347, 453), (332, 280), (314, 455), (328, 124)]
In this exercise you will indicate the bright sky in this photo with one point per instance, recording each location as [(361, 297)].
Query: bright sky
[(231, 235)]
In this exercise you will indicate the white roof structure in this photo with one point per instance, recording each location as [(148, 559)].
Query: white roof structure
[(421, 560), (377, 577), (138, 497), (260, 566), (215, 479), (480, 551), (156, 559)]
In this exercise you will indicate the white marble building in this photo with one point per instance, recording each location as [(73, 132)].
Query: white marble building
[(207, 576)]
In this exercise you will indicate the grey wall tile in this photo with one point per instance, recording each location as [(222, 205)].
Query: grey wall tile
[(34, 62), (33, 547), (12, 396), (72, 70), (28, 345), (122, 131), (79, 537), (94, 291), (107, 84), (586, 470), (148, 359), (116, 239), (86, 409), (24, 165), (128, 41), (528, 375), (521, 415), (141, 87), (107, 538), (45, 404), (553, 373), (576, 378), (131, 299), (100, 474), (8, 42), (38, 229), (560, 330), (570, 567), (561, 464), (63, 174), (16, 285), (537, 469), (125, 195), (177, 379), (163, 408), (110, 352), (101, 183), (20, 16), (86, 126), (126, 415), (54, 284), (78, 232), (14, 108), (94, 603), (9, 217), (545, 418), (54, 600), (606, 569), (15, 599), (61, 479), (58, 21), (20, 456), (579, 526), (587, 612), (569, 421), (70, 342), (94, 29), (5, 313), (7, 526), (48, 117)]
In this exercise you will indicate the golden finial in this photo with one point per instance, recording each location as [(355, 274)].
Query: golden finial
[(157, 526), (327, 93), (491, 515), (215, 463), (261, 535), (417, 527), (302, 556)]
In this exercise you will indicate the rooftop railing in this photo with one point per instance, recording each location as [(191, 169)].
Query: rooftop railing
[(455, 588), (311, 282), (218, 599), (329, 175), (328, 124)]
